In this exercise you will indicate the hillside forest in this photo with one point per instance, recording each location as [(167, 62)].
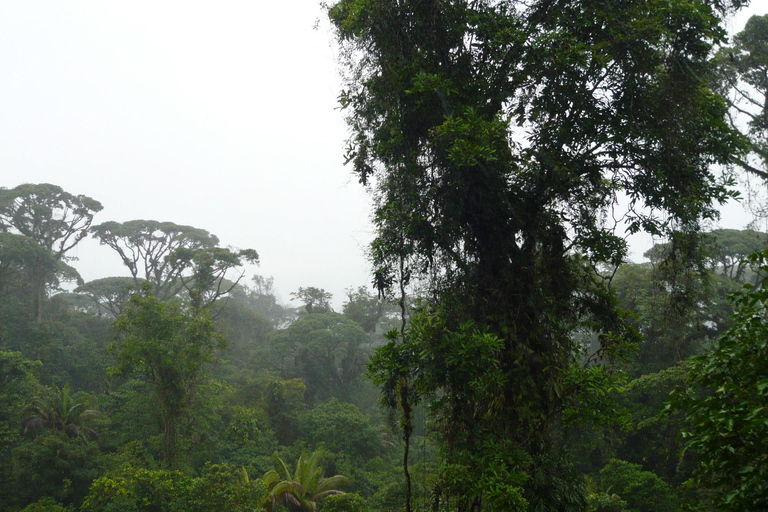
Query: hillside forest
[(506, 355)]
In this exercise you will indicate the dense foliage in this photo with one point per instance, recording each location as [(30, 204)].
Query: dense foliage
[(499, 138), (522, 363), (726, 403)]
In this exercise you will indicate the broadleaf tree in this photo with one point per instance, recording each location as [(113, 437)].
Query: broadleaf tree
[(315, 300), (145, 247), (108, 293), (744, 75), (731, 249), (326, 350), (54, 219), (208, 267), (166, 347), (502, 140), (20, 256), (175, 258), (726, 400)]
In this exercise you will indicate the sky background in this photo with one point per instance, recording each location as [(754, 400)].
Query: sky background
[(219, 115)]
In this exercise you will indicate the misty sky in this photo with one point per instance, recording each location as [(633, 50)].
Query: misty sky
[(219, 115)]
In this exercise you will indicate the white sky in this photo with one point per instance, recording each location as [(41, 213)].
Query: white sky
[(220, 115)]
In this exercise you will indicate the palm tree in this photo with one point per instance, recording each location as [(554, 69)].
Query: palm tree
[(60, 410), (302, 491)]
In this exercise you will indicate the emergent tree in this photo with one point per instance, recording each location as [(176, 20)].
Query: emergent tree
[(54, 219), (167, 348), (145, 247), (174, 258), (744, 67), (501, 138)]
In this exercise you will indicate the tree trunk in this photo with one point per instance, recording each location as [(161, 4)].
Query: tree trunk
[(407, 431), (170, 438), (38, 292)]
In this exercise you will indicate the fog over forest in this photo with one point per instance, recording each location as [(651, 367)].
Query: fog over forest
[(220, 118), (387, 256)]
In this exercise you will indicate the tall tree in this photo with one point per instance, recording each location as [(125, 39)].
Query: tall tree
[(108, 293), (744, 67), (208, 267), (730, 250), (262, 296), (725, 401), (18, 255), (363, 307), (500, 137), (174, 258), (326, 350), (315, 300), (53, 218), (145, 247), (167, 348)]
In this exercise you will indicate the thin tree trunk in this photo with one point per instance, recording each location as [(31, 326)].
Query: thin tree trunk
[(404, 402), (407, 431), (38, 293), (407, 439), (170, 440)]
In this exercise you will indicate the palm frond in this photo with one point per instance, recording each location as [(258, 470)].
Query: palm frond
[(61, 410), (292, 502), (288, 487), (331, 483), (301, 491), (300, 469), (242, 477), (313, 471), (34, 422), (331, 492), (282, 467), (270, 478)]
